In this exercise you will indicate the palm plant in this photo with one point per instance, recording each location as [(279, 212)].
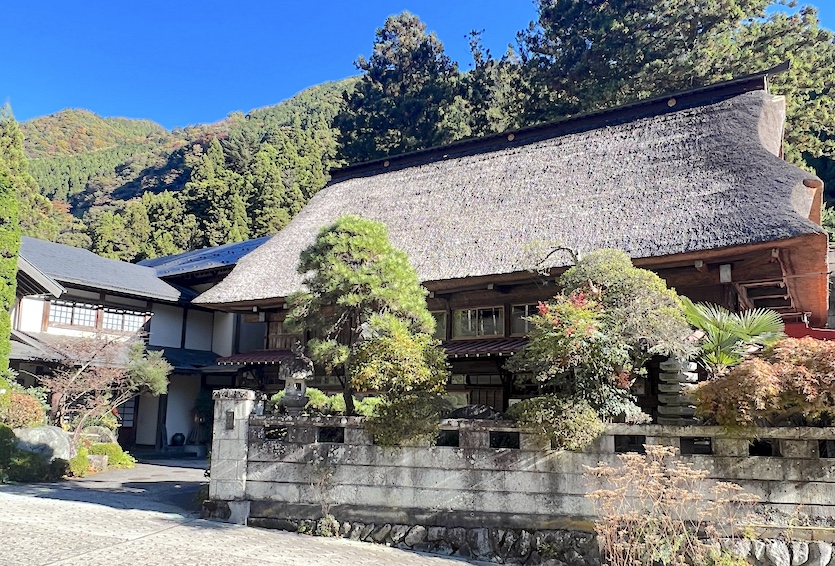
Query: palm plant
[(727, 337)]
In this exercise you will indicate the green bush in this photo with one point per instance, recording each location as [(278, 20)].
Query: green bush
[(23, 411), (5, 394), (327, 526), (21, 466), (410, 419), (274, 404), (366, 406), (79, 466), (317, 400), (569, 423), (116, 457)]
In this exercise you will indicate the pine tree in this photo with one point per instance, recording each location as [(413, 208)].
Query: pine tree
[(399, 104)]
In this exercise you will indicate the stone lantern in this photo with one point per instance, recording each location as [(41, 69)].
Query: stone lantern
[(296, 372)]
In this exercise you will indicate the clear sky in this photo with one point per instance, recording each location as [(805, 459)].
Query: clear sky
[(181, 62)]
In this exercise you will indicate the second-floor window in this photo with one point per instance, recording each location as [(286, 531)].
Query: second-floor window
[(469, 323), (72, 314), (84, 315), (519, 325)]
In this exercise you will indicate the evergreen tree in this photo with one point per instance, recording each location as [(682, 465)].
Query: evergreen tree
[(14, 180), (407, 87), (361, 289), (214, 197)]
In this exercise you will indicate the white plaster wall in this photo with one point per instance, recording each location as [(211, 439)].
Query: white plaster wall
[(166, 326), (199, 330), (146, 420), (252, 336), (182, 391), (223, 335), (31, 314)]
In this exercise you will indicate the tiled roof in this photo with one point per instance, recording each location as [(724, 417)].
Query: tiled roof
[(259, 357), (202, 260), (74, 266), (484, 347)]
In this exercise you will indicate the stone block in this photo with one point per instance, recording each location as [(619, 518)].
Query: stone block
[(799, 552), (478, 540), (226, 490), (366, 531), (239, 512), (457, 537), (416, 535), (435, 533), (358, 436), (799, 448), (381, 533), (778, 553), (474, 439), (820, 554), (737, 447)]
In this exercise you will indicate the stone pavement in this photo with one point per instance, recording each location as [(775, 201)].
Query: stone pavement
[(146, 516)]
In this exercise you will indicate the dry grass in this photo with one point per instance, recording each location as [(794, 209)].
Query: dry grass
[(655, 509)]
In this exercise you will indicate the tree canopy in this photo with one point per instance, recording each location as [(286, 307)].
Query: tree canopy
[(367, 311)]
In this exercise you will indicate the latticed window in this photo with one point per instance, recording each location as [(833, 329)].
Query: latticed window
[(72, 314), (122, 321)]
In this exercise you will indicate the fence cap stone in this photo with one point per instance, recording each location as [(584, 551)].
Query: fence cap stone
[(239, 394)]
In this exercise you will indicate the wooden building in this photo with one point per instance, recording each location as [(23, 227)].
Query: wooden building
[(691, 185)]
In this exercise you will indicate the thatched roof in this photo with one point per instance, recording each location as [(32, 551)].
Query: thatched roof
[(700, 178)]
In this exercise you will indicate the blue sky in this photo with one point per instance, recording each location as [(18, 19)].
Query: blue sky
[(187, 62)]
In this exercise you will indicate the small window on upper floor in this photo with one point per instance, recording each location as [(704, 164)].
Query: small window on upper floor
[(122, 321), (471, 323), (519, 325)]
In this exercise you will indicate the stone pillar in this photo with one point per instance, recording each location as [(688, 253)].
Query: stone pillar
[(229, 450)]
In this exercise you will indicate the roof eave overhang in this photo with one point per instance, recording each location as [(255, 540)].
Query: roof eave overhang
[(47, 284)]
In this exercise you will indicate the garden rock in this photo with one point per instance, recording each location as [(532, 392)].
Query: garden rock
[(398, 532), (820, 553), (49, 441), (479, 542), (366, 531), (778, 553), (457, 537), (416, 535), (380, 534), (800, 552), (739, 548), (435, 533), (758, 549)]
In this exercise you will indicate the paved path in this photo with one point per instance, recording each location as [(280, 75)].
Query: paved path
[(146, 516)]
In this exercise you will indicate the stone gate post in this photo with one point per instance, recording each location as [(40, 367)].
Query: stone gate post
[(227, 484)]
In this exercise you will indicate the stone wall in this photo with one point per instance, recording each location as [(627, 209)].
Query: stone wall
[(282, 471)]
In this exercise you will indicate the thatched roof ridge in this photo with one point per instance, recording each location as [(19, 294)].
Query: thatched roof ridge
[(698, 179)]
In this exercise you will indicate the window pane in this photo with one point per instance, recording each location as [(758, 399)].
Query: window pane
[(491, 322), (133, 322), (465, 323), (518, 314), (84, 316), (112, 320), (62, 314), (440, 325)]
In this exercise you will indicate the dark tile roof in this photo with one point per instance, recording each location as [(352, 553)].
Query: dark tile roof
[(74, 266), (484, 347), (184, 359), (202, 260), (701, 178), (259, 357)]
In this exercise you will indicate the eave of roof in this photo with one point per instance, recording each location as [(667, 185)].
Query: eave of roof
[(77, 267), (259, 357), (33, 281), (203, 260)]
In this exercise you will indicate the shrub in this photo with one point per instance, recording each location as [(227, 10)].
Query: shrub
[(793, 378), (327, 526), (79, 466), (366, 406), (274, 404), (317, 400), (5, 394), (24, 411), (568, 423), (21, 466), (410, 419), (116, 457)]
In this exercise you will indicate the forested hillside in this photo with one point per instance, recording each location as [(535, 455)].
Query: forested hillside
[(136, 190)]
